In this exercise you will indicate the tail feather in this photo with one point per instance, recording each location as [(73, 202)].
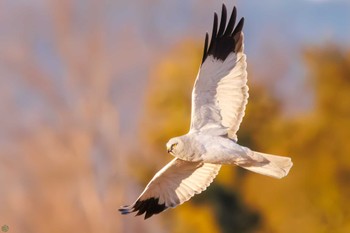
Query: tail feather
[(270, 165)]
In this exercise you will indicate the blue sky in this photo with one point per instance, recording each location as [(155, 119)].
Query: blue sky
[(138, 33)]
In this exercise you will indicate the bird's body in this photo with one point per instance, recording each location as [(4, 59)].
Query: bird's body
[(220, 150), (219, 97)]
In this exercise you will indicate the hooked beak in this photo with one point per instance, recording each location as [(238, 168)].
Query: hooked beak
[(169, 149)]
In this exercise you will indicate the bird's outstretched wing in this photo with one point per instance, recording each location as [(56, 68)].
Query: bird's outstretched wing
[(220, 93), (174, 184)]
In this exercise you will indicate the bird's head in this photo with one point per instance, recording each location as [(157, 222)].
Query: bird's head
[(175, 146), (185, 148)]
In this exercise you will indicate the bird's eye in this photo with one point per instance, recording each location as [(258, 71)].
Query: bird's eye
[(173, 146)]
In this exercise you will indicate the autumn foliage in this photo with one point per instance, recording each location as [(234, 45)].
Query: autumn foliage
[(66, 167)]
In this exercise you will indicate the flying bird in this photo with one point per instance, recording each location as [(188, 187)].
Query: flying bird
[(219, 98)]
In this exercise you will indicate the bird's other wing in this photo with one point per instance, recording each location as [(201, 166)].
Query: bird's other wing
[(174, 184), (220, 93)]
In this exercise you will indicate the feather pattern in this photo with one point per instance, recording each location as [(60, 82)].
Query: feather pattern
[(220, 93), (174, 184)]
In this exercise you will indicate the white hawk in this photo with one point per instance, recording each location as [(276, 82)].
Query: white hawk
[(219, 97)]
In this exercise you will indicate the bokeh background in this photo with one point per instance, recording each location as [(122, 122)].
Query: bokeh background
[(91, 90)]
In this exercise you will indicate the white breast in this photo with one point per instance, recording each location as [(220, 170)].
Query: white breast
[(220, 150)]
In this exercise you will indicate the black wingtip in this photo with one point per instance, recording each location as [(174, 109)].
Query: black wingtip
[(231, 22), (222, 42), (239, 26), (148, 207), (215, 25), (223, 20), (205, 46), (125, 209)]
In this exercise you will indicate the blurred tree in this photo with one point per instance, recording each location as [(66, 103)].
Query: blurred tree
[(60, 124), (314, 197)]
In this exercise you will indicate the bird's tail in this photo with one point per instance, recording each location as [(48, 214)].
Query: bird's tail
[(269, 165)]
